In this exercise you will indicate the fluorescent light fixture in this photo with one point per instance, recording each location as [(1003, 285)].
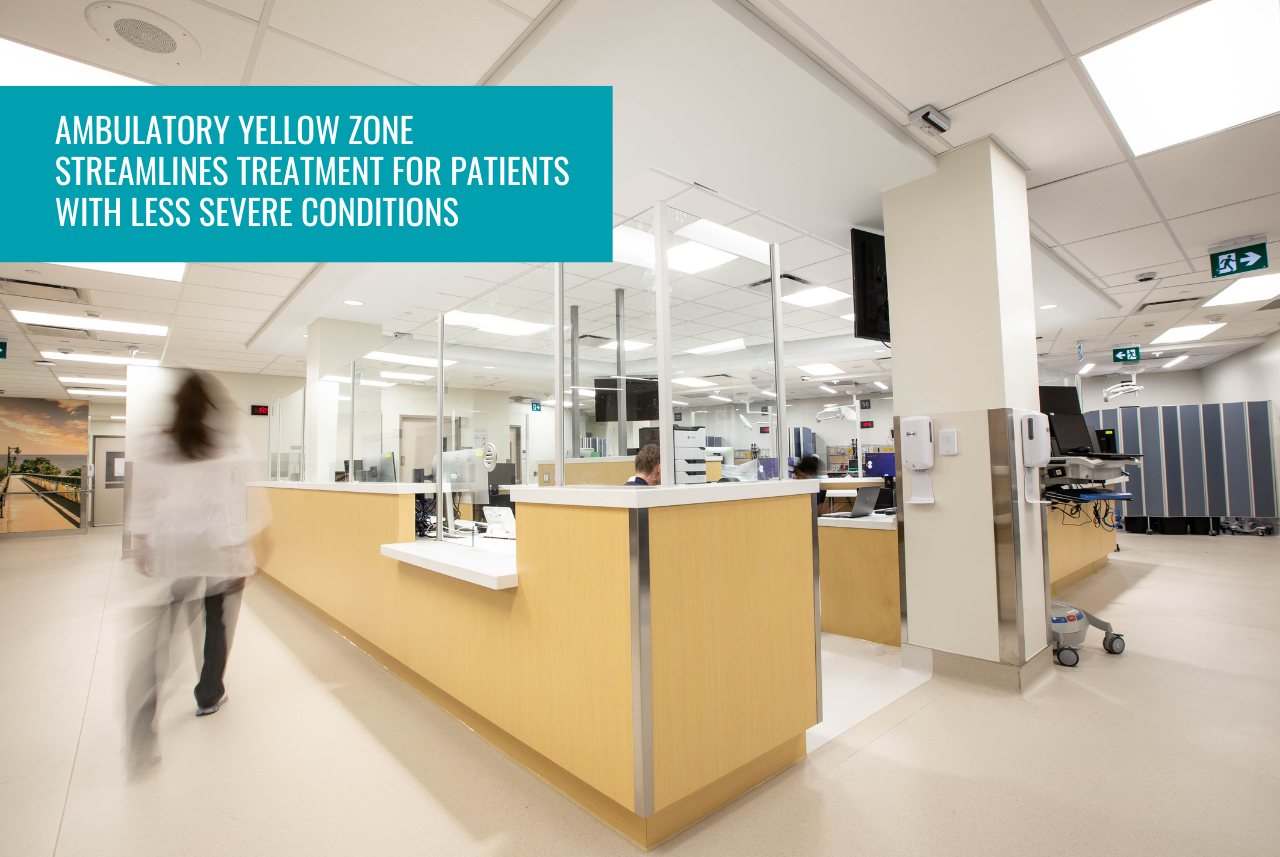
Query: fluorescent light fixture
[(1049, 306), (690, 381), (406, 376), (24, 66), (364, 382), (171, 271), (1084, 370), (719, 347), (354, 303), (1175, 361), (816, 296), (1198, 72), (344, 398), (720, 398), (681, 404), (77, 392), (340, 379), (821, 369), (486, 323), (105, 382), (770, 394), (487, 367), (828, 389), (1247, 290), (100, 358), (119, 418), (881, 385), (849, 317), (694, 258), (628, 345), (406, 359), (76, 323), (726, 239), (1189, 333)]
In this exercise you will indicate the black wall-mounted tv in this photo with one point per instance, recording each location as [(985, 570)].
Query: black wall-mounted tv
[(642, 400), (870, 286)]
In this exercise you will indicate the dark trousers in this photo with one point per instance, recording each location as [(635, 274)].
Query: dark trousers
[(156, 630)]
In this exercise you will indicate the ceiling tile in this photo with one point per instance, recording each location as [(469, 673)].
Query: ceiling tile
[(806, 250), (1199, 232), (964, 48), (709, 206), (764, 228), (1085, 23), (292, 270), (239, 280), (429, 42), (287, 61), (1224, 168), (1128, 279), (1046, 119), (230, 313), (640, 192), (1096, 203), (227, 297), (1123, 251), (826, 272)]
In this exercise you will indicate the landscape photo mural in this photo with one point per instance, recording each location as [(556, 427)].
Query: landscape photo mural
[(46, 450)]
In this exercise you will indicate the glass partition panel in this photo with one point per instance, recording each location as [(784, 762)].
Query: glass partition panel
[(395, 410), (723, 378), (286, 452), (616, 388), (499, 379)]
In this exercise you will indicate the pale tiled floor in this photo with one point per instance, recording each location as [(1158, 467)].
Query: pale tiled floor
[(1172, 748)]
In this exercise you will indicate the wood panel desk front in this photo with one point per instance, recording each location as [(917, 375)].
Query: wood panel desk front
[(860, 590)]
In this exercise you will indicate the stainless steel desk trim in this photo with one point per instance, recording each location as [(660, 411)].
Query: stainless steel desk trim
[(641, 662)]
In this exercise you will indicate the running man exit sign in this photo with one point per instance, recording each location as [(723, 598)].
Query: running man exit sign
[(1132, 354), (1239, 260)]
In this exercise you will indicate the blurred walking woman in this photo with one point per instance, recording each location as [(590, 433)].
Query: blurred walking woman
[(192, 534)]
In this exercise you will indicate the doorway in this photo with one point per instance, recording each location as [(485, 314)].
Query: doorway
[(108, 481), (515, 453)]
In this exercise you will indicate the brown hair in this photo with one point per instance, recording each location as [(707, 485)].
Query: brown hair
[(648, 458), (190, 429)]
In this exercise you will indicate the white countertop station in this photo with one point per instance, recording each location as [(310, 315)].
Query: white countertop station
[(491, 563), (643, 497), (354, 487), (874, 521)]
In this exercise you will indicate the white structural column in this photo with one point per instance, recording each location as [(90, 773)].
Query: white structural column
[(331, 346), (963, 329)]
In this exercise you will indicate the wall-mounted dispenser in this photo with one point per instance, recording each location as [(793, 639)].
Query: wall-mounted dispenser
[(1036, 452), (917, 456)]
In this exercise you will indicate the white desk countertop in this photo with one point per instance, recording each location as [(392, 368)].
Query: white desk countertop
[(640, 497), (491, 563), (354, 487), (874, 521)]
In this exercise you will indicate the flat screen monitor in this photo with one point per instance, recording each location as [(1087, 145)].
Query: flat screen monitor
[(464, 471), (1072, 433), (881, 464), (1059, 400), (870, 286), (642, 399)]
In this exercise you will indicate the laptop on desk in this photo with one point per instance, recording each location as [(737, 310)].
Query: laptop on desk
[(863, 505)]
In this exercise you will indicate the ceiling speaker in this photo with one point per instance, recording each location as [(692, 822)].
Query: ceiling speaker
[(143, 33)]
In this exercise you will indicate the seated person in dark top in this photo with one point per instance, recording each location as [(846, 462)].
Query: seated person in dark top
[(648, 467), (810, 467)]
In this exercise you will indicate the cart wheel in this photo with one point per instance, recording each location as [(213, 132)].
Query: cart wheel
[(1068, 657), (1261, 532), (1114, 645)]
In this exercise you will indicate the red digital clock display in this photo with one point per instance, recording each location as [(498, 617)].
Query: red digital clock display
[(259, 410)]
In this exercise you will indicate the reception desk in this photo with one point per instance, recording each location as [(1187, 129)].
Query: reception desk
[(622, 649), (860, 589), (613, 470)]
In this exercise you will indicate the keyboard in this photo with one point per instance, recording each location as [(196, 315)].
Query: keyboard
[(1069, 494)]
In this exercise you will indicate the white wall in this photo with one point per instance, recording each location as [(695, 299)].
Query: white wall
[(1160, 388), (249, 390)]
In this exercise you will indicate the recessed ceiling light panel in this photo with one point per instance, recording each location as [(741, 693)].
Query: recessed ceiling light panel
[(1196, 73), (100, 358), (821, 369), (1188, 333), (1246, 290), (816, 297), (71, 322)]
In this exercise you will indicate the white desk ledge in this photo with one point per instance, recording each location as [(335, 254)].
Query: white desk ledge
[(354, 487), (645, 497), (870, 522), (491, 563)]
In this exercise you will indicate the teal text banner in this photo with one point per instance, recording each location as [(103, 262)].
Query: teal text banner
[(341, 174)]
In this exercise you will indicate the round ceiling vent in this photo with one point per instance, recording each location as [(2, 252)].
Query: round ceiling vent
[(143, 33)]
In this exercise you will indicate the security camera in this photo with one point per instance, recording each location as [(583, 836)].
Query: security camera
[(806, 378), (1146, 276), (930, 120)]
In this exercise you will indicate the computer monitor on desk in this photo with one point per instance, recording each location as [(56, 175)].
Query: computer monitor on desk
[(880, 464)]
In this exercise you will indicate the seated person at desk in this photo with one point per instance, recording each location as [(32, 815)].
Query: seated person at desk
[(810, 467), (648, 467)]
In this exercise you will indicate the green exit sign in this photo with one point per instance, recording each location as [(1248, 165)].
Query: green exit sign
[(1241, 260), (1132, 354), (535, 406), (4, 350)]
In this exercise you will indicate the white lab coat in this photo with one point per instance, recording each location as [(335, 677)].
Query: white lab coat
[(192, 516)]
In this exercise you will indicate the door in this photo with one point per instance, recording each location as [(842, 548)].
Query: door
[(515, 454), (417, 447), (108, 481)]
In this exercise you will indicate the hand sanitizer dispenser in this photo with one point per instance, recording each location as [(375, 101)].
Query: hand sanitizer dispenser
[(917, 455), (1036, 452)]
